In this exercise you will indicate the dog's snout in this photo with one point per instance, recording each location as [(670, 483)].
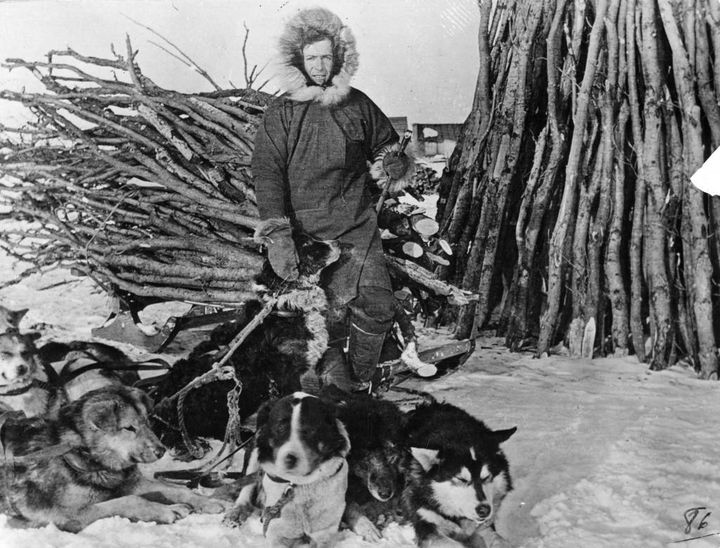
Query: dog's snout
[(159, 451), (290, 461), (22, 370), (483, 510), (381, 486), (385, 492)]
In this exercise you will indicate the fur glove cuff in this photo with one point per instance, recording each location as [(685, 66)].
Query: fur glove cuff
[(393, 168), (396, 164)]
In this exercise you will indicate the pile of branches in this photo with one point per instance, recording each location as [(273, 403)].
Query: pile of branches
[(140, 187), (570, 206), (145, 189)]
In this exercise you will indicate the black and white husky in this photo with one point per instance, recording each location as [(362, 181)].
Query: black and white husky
[(456, 479)]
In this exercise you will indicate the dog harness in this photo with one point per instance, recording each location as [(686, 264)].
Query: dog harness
[(301, 509), (9, 459), (33, 383), (269, 513), (90, 472)]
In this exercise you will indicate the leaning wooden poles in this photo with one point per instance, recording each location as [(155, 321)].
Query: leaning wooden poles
[(575, 187)]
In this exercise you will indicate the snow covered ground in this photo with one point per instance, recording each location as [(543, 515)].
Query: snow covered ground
[(607, 454)]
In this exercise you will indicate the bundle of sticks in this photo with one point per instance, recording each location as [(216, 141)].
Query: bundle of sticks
[(145, 189)]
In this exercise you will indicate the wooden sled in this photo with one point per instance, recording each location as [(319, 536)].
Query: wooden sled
[(124, 324), (448, 358)]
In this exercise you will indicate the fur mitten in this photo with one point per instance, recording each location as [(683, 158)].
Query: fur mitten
[(276, 235)]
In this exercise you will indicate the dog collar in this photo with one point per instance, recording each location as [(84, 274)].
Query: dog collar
[(21, 390), (17, 391), (278, 479), (25, 388)]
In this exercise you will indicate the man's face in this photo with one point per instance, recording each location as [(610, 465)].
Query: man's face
[(318, 61)]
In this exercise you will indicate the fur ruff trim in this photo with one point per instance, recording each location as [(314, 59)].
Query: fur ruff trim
[(313, 298), (313, 303), (290, 74), (265, 228), (377, 173)]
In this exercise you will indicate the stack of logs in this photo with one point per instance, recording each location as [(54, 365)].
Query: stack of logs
[(569, 203)]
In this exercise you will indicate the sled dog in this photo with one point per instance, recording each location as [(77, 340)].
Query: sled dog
[(456, 479), (299, 452), (82, 466)]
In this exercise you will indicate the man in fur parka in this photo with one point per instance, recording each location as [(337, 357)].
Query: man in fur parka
[(311, 166)]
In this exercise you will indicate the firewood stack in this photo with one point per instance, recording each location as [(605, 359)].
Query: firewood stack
[(145, 189), (569, 204)]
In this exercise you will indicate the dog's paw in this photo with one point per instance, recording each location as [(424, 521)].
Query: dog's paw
[(440, 541), (490, 539), (207, 505), (177, 511), (71, 526), (367, 530), (237, 515)]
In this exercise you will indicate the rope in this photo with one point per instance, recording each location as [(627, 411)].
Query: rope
[(233, 425), (219, 371)]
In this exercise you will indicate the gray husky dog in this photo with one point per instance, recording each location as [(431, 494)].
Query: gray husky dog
[(82, 466)]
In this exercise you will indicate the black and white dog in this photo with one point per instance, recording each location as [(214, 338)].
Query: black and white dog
[(299, 455), (457, 478)]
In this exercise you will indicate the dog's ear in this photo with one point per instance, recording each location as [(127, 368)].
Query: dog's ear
[(263, 414), (334, 395), (101, 415), (15, 316), (141, 400), (427, 458), (503, 435), (345, 438), (390, 445)]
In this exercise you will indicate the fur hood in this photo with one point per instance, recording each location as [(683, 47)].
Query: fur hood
[(302, 29)]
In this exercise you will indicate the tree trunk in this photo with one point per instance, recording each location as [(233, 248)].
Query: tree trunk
[(697, 248), (569, 196)]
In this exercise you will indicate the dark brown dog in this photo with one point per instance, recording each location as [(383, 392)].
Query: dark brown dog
[(82, 466), (375, 461)]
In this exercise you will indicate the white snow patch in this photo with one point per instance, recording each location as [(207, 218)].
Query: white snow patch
[(607, 454)]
